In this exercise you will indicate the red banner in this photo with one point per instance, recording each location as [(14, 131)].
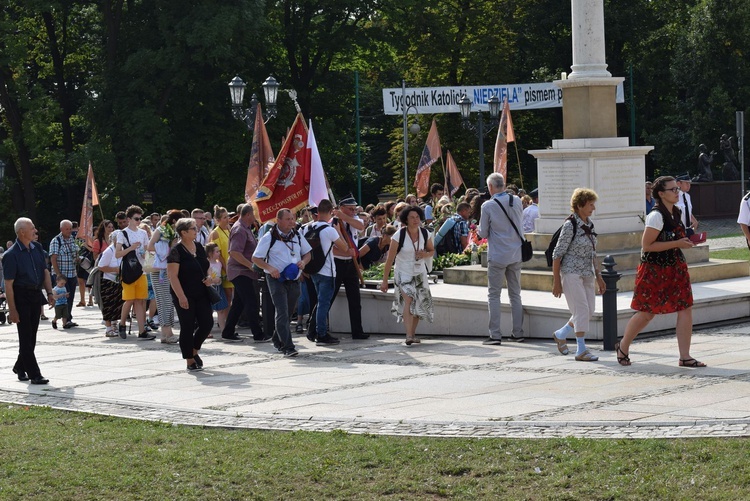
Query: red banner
[(284, 186)]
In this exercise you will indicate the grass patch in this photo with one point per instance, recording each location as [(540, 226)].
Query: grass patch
[(50, 454), (741, 253)]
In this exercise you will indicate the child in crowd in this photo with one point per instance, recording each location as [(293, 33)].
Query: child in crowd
[(60, 293), (214, 273)]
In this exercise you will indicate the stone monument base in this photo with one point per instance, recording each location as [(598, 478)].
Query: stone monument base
[(614, 170)]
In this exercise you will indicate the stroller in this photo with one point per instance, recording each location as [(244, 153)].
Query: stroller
[(3, 307)]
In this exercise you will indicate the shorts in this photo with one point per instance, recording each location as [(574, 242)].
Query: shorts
[(61, 311), (136, 290)]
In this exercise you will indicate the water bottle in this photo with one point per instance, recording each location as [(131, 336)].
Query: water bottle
[(474, 254)]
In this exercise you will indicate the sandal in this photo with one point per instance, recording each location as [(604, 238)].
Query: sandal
[(409, 341), (416, 340), (562, 345), (691, 362), (623, 360), (586, 356)]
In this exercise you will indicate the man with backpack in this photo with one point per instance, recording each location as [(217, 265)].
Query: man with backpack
[(322, 238), (283, 253), (63, 253), (455, 237)]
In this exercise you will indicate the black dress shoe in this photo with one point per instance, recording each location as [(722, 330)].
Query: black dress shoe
[(361, 335), (39, 380), (234, 337), (22, 376)]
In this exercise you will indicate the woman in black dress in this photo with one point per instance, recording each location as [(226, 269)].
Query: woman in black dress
[(187, 267)]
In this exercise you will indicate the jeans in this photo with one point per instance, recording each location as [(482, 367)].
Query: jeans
[(284, 295), (245, 300), (71, 285), (319, 318), (512, 274)]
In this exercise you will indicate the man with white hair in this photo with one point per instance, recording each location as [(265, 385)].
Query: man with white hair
[(503, 255), (26, 276), (63, 253)]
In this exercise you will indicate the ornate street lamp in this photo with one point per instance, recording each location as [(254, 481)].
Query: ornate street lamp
[(247, 115), (481, 128)]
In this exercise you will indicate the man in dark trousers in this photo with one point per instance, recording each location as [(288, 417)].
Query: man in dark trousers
[(26, 276), (346, 267), (242, 243)]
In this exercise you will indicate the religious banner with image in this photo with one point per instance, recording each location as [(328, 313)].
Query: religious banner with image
[(285, 186)]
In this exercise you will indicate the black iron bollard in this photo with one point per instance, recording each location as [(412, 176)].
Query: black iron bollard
[(609, 303)]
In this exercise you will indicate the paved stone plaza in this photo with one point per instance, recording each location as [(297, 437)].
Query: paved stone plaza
[(443, 387)]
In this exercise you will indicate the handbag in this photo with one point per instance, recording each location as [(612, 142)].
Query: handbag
[(148, 262), (527, 252), (213, 294)]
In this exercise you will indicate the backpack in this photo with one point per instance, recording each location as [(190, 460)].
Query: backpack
[(85, 258), (556, 237), (274, 232), (130, 267), (319, 258), (446, 244)]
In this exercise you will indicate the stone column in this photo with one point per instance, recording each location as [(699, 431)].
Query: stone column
[(588, 40), (589, 108)]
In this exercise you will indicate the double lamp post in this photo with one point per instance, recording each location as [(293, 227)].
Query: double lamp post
[(481, 128)]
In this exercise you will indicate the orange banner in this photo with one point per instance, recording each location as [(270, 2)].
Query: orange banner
[(430, 154), (261, 157), (90, 199)]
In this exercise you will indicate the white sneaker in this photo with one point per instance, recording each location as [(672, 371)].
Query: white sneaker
[(170, 339), (111, 332)]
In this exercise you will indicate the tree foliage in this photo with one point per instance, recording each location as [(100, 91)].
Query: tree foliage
[(139, 88)]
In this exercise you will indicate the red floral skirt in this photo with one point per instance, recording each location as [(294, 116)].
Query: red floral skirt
[(662, 289)]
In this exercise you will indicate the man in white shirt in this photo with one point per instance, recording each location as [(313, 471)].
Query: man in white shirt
[(278, 253), (134, 239), (686, 205), (325, 279), (347, 271), (531, 213), (203, 232)]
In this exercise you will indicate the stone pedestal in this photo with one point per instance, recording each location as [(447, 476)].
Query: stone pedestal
[(614, 170)]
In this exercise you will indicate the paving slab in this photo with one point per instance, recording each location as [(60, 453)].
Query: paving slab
[(442, 387)]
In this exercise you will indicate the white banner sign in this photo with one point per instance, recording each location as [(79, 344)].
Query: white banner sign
[(431, 100)]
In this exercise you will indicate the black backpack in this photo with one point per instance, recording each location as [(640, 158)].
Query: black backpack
[(402, 238), (130, 267), (556, 237), (274, 237), (448, 244), (319, 257)]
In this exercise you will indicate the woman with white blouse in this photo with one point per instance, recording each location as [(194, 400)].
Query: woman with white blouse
[(413, 301)]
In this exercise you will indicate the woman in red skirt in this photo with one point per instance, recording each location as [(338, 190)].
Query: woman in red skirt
[(662, 283)]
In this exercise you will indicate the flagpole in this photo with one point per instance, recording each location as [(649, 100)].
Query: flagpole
[(520, 174)]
